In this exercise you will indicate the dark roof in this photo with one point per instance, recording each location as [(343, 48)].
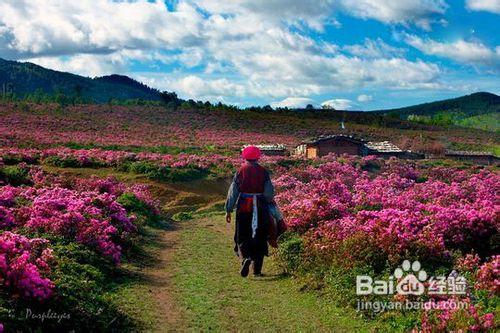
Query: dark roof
[(469, 153), (323, 138)]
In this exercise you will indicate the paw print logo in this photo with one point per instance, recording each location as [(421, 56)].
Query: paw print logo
[(411, 277)]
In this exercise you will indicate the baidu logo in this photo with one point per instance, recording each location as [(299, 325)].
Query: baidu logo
[(410, 279), (406, 280)]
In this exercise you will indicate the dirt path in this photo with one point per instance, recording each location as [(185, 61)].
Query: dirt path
[(161, 280), (204, 291)]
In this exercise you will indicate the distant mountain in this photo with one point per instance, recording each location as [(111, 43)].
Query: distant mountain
[(479, 110), (471, 105), (23, 79)]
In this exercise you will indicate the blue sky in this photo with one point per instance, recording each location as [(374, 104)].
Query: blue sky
[(349, 54)]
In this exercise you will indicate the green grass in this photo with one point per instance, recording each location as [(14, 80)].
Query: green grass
[(214, 297), (487, 122), (493, 148)]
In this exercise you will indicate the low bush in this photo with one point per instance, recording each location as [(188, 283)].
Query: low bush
[(61, 241), (290, 252), (82, 280), (138, 207), (15, 175), (182, 216)]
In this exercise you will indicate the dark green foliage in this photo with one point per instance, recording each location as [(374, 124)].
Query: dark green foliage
[(478, 110), (290, 163), (38, 84), (83, 279), (158, 172), (290, 251), (15, 175), (147, 168), (186, 174), (71, 162), (470, 105), (16, 159), (68, 162), (170, 99), (182, 216), (136, 206)]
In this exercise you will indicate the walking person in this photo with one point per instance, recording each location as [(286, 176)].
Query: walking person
[(251, 192)]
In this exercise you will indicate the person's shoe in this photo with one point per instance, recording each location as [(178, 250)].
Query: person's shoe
[(245, 267), (258, 274)]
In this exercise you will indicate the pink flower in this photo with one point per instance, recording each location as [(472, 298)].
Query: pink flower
[(22, 266)]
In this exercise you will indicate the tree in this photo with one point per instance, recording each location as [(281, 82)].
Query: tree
[(170, 99), (327, 107), (309, 107)]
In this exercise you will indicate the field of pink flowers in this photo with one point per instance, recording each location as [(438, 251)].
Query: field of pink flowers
[(346, 215), (163, 167), (49, 216), (147, 126), (370, 215), (111, 158), (137, 126)]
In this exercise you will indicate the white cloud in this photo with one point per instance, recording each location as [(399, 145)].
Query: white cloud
[(293, 103), (67, 27), (471, 53), (193, 86), (315, 13), (422, 13), (484, 5), (84, 64), (338, 103), (374, 49), (364, 98)]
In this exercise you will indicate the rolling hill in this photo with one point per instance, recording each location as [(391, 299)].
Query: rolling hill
[(479, 110), (23, 79)]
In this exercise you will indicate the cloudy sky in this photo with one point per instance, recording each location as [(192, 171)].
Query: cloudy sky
[(351, 54)]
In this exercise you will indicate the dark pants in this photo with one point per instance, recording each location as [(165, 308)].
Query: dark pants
[(254, 248), (257, 265)]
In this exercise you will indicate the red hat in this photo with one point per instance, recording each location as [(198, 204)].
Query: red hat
[(251, 153)]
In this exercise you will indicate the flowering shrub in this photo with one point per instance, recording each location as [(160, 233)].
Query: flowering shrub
[(164, 167), (448, 316), (338, 200), (85, 228), (488, 276), (89, 218), (353, 220), (24, 265), (66, 157), (88, 212)]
